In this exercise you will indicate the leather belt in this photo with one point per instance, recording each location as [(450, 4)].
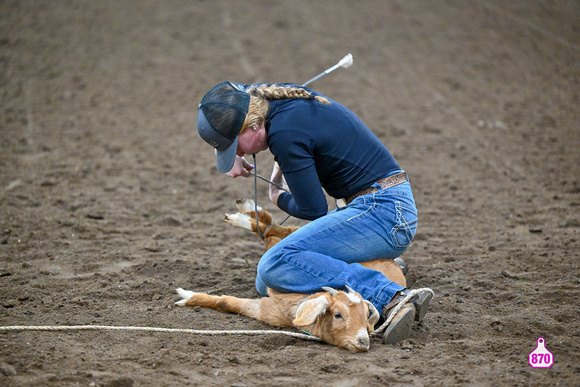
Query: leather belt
[(387, 182)]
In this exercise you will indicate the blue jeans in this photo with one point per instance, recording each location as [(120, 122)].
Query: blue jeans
[(325, 251)]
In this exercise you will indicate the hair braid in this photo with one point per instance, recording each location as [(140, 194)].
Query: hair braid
[(275, 92), (260, 95)]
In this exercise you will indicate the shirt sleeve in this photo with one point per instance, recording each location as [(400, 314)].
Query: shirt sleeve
[(293, 145), (307, 200)]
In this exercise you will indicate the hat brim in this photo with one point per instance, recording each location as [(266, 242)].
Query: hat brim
[(226, 158)]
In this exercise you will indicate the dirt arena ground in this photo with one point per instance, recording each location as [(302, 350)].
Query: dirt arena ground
[(109, 200)]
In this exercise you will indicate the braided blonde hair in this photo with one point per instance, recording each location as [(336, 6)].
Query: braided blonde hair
[(261, 95)]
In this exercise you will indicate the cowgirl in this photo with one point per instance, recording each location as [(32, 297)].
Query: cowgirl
[(318, 144)]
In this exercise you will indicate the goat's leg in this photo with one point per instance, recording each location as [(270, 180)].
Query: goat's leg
[(265, 309), (248, 223), (244, 221), (270, 241), (272, 233), (280, 231), (246, 206), (275, 234), (247, 307)]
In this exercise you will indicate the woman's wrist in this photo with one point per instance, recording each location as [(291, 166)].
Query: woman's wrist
[(275, 193)]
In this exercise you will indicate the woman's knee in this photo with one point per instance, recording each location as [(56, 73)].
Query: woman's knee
[(270, 265), (261, 287), (265, 269)]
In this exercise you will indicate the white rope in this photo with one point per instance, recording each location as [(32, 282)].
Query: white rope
[(397, 308), (152, 329)]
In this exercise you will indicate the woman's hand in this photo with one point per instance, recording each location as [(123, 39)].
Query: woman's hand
[(241, 168), (278, 178)]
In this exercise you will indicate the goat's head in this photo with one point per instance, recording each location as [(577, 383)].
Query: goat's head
[(338, 318)]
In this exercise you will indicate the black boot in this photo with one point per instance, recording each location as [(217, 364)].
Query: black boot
[(402, 323)]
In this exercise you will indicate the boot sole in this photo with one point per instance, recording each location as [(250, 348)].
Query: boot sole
[(401, 326)]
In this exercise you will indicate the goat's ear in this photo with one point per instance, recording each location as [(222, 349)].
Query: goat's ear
[(310, 309), (373, 316)]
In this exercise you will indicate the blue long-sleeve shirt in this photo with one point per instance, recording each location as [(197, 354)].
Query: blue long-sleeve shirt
[(323, 146)]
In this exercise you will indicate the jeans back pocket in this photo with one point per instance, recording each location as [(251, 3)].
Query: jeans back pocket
[(405, 227)]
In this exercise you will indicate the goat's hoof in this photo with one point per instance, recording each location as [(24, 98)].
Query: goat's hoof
[(239, 220), (246, 205), (185, 295)]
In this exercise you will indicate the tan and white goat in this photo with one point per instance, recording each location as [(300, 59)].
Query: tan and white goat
[(337, 317)]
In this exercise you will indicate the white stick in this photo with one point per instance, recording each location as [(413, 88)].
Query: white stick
[(345, 62)]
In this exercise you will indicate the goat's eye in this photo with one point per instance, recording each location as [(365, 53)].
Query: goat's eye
[(337, 315)]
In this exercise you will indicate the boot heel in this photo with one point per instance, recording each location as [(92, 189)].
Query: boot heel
[(422, 305)]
